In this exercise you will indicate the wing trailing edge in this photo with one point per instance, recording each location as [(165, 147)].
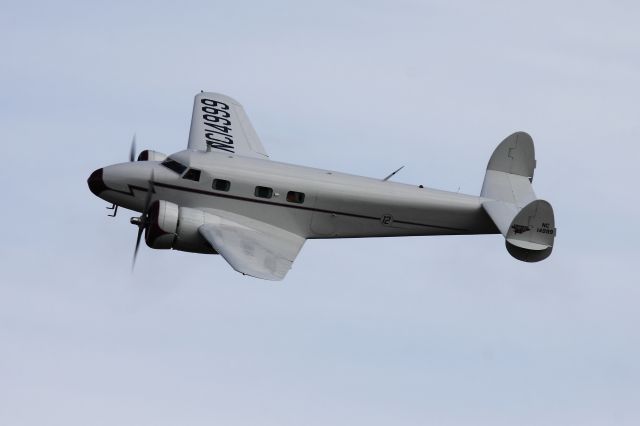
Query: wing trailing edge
[(251, 247)]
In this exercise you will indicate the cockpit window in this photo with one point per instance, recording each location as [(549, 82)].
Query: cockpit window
[(192, 174), (172, 164)]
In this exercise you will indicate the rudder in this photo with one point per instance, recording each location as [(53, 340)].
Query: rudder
[(531, 234)]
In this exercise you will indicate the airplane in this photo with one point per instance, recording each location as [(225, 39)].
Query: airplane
[(224, 195)]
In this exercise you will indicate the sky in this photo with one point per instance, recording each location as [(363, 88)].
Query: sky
[(411, 331)]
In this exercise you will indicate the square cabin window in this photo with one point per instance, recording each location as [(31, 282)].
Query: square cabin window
[(221, 185), (192, 174), (263, 192), (295, 197)]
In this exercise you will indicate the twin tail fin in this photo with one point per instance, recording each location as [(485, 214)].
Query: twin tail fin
[(526, 222)]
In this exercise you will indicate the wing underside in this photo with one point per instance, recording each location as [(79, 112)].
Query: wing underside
[(252, 247), (220, 124)]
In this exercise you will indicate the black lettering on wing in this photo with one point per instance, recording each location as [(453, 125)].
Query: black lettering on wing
[(216, 111), (216, 119), (214, 103), (217, 125), (220, 128), (222, 147), (211, 136)]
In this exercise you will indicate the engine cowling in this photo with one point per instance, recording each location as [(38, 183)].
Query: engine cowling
[(163, 224), (149, 155), (174, 227)]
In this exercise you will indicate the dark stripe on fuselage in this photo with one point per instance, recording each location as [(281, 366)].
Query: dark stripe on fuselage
[(271, 203), (292, 206)]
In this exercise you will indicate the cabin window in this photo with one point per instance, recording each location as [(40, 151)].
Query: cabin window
[(221, 185), (295, 197), (192, 174), (263, 192), (173, 165)]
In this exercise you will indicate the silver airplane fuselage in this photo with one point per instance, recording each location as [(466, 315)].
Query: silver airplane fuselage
[(336, 205)]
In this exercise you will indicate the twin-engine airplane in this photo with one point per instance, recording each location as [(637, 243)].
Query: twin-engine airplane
[(223, 195)]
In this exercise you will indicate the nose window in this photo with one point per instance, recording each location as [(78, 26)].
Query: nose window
[(192, 174)]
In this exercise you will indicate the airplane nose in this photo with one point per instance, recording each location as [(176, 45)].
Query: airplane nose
[(96, 183)]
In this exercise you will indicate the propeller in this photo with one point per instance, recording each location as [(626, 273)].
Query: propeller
[(132, 151), (143, 221)]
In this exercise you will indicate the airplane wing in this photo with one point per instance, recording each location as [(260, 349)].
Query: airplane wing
[(253, 247), (220, 122)]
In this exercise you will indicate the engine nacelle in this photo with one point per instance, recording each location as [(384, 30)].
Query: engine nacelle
[(174, 227), (163, 224), (149, 155)]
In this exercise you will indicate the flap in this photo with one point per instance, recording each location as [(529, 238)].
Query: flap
[(253, 248)]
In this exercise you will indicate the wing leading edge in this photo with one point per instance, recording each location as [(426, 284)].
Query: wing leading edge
[(220, 123), (253, 248)]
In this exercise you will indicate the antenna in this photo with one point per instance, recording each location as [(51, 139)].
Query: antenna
[(391, 175)]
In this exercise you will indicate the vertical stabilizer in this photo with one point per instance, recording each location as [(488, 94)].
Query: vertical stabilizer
[(510, 171)]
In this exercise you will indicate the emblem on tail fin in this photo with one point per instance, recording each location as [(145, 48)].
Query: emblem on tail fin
[(520, 229)]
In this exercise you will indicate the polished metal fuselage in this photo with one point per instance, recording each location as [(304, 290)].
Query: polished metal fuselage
[(336, 205)]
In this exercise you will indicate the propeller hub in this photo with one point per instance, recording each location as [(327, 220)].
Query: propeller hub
[(139, 221)]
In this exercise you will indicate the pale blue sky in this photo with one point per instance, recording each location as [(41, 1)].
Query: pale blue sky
[(410, 331)]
